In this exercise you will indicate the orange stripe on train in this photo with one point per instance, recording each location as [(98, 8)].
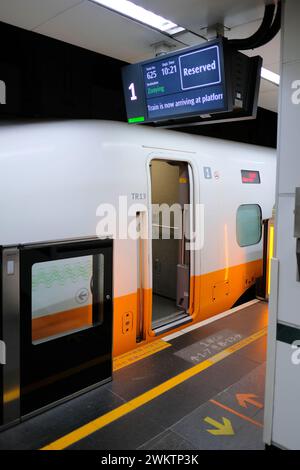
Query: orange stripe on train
[(210, 294)]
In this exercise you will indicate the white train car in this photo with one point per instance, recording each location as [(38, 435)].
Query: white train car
[(73, 279), (55, 179)]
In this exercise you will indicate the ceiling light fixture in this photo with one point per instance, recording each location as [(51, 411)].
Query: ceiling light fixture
[(270, 76), (131, 10)]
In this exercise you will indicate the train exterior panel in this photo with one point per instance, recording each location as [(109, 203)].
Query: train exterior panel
[(56, 176)]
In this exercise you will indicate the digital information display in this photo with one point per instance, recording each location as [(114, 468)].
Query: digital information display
[(250, 177), (189, 83), (182, 84)]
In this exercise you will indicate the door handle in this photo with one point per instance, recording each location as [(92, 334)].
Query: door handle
[(2, 353)]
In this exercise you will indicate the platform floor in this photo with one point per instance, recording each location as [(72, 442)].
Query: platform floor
[(200, 390)]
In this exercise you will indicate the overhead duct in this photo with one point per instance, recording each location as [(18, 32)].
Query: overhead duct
[(275, 28), (265, 33)]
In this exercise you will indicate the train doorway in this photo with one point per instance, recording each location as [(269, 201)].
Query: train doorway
[(170, 193)]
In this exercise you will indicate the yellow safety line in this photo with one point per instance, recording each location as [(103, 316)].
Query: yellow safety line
[(99, 423), (140, 353)]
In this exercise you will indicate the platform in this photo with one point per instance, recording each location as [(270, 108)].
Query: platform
[(201, 388)]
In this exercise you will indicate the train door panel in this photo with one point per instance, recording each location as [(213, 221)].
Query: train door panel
[(170, 260), (10, 326), (2, 345), (66, 320)]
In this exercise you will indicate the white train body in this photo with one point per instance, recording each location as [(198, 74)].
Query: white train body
[(55, 176)]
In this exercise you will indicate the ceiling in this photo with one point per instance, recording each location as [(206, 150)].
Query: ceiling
[(86, 24)]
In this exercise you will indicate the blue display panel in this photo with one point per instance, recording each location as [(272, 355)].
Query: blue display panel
[(181, 84)]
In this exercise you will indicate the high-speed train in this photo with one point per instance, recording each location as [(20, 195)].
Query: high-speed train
[(60, 179), (110, 237)]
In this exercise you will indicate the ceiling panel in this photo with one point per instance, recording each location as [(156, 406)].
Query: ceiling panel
[(31, 13), (196, 14), (95, 28)]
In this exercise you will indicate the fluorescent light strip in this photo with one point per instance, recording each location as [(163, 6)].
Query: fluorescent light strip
[(130, 9), (270, 76)]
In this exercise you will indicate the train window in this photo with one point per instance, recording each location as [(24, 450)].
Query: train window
[(64, 293), (248, 225)]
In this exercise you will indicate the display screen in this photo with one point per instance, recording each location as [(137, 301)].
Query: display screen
[(190, 82), (250, 177)]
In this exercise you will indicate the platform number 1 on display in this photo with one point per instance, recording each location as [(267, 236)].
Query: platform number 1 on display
[(134, 94), (132, 89)]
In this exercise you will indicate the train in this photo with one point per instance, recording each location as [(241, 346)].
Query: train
[(55, 176), (69, 267)]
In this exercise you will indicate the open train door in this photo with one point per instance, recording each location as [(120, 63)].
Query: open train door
[(65, 320), (2, 345), (10, 336), (171, 184)]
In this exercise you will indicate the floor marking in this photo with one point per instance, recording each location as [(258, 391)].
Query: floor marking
[(99, 423), (139, 353), (222, 429), (244, 398), (246, 418), (210, 320)]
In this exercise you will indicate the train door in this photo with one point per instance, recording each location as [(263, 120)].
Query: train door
[(65, 320), (10, 335), (170, 187), (2, 345)]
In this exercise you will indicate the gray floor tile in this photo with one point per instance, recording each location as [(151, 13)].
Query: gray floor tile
[(47, 427), (256, 351), (131, 381), (128, 432), (172, 406), (225, 373), (168, 440)]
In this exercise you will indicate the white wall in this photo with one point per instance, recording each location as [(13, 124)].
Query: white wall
[(284, 377)]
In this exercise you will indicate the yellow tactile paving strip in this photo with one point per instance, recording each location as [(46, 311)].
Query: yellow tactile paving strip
[(140, 353)]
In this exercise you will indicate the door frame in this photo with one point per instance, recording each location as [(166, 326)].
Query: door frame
[(180, 157)]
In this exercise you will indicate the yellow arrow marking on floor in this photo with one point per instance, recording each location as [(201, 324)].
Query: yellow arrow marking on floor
[(222, 429)]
